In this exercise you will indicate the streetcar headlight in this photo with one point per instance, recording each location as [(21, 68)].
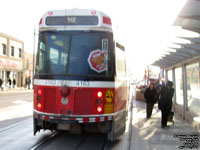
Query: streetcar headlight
[(65, 91)]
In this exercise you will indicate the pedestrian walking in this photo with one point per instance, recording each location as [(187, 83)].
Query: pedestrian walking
[(14, 83), (165, 102), (1, 82), (150, 96), (29, 82), (9, 82), (26, 82)]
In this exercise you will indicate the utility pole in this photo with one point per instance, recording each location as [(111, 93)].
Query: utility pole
[(33, 57)]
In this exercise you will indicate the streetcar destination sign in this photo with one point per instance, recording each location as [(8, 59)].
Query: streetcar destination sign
[(71, 20)]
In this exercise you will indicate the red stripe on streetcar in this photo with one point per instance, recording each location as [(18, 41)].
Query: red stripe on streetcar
[(97, 119), (85, 120), (106, 118), (107, 20), (46, 118)]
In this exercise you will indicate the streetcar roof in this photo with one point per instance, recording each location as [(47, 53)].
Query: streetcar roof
[(75, 19)]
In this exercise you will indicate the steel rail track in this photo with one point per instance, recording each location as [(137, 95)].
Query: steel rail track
[(16, 125), (38, 145)]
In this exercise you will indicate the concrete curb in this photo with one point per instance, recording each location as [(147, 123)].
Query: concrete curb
[(124, 142)]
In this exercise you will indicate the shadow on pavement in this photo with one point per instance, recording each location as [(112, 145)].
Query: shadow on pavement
[(148, 134)]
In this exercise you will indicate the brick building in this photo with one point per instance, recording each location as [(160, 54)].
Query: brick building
[(15, 63)]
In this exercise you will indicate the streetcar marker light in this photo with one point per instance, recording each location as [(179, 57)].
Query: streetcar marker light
[(99, 109), (40, 21), (50, 13), (93, 12), (106, 20)]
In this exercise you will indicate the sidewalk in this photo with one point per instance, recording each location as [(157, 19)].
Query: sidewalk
[(148, 134), (14, 90)]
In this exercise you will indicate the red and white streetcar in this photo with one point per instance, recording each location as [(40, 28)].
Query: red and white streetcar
[(80, 77)]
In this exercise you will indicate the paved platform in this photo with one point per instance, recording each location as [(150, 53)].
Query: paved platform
[(148, 134)]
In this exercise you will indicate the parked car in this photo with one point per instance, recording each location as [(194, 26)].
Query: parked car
[(139, 92)]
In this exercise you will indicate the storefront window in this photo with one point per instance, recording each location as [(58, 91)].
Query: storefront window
[(169, 75), (193, 88), (179, 86)]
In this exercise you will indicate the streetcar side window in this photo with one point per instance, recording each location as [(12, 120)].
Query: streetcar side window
[(120, 62), (41, 58)]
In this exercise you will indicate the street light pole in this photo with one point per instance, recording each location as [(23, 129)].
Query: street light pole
[(33, 57)]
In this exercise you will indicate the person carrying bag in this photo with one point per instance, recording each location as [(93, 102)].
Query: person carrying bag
[(165, 102)]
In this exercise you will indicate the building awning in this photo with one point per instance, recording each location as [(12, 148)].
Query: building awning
[(179, 55), (189, 19), (192, 39)]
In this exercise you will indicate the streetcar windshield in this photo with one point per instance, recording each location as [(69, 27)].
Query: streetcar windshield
[(75, 53)]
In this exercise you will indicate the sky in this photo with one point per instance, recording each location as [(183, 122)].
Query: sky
[(144, 27)]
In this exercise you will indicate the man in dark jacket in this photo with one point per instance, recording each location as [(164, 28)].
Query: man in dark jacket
[(29, 82), (14, 83), (165, 102), (150, 96), (9, 81), (1, 82)]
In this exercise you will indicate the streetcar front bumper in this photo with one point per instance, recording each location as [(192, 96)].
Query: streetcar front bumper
[(60, 118)]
